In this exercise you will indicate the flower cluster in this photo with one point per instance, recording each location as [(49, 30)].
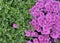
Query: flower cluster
[(46, 22)]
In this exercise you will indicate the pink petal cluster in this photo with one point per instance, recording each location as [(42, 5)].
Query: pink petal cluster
[(46, 22)]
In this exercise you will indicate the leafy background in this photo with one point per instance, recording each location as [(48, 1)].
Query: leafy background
[(14, 11)]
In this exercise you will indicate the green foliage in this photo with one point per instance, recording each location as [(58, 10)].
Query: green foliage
[(14, 11)]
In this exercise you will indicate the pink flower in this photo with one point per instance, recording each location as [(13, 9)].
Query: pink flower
[(28, 42), (49, 17), (15, 25), (46, 37), (33, 22), (35, 25), (48, 7), (39, 4), (46, 32), (55, 40), (40, 21), (34, 10), (41, 37), (54, 34), (35, 40), (34, 34), (28, 33)]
